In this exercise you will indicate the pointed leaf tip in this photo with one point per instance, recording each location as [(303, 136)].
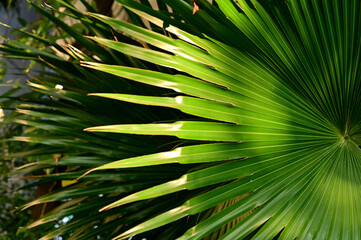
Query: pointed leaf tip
[(103, 209), (88, 129), (112, 205), (86, 173)]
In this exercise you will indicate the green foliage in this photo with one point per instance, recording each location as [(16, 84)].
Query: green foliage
[(239, 121), (14, 192)]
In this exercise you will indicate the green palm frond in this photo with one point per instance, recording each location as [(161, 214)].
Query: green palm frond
[(239, 121), (288, 108)]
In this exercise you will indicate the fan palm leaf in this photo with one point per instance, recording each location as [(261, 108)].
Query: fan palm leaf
[(264, 99), (285, 112)]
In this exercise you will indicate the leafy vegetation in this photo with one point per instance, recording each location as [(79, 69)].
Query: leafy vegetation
[(238, 120)]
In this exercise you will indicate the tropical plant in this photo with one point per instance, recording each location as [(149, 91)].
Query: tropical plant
[(247, 114)]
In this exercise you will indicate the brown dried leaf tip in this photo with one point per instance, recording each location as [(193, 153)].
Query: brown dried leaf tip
[(195, 7)]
